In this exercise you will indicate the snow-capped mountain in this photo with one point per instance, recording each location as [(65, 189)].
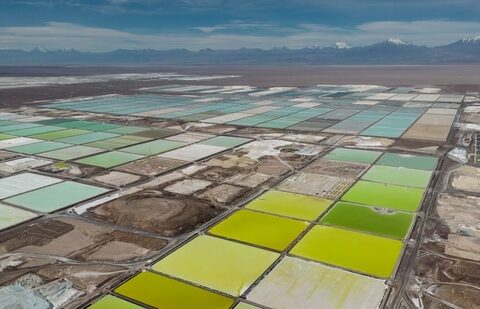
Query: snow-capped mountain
[(467, 42), (394, 42), (464, 50), (342, 45), (391, 51), (471, 40), (40, 49)]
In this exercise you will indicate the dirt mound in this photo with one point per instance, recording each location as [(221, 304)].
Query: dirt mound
[(154, 213)]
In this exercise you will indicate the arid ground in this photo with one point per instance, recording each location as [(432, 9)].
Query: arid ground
[(453, 78)]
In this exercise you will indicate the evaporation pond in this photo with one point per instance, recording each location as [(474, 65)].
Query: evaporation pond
[(110, 159), (385, 195), (409, 161), (117, 142), (288, 204), (373, 255), (381, 221), (206, 260), (153, 147), (39, 147), (162, 292), (112, 302), (71, 152), (261, 229), (225, 141), (353, 155), (86, 138), (20, 183), (10, 216), (295, 283), (398, 176), (56, 196), (60, 134)]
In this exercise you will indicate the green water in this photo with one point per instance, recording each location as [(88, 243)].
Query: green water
[(110, 159), (86, 138), (219, 264), (39, 147), (153, 147), (353, 155), (162, 292), (112, 302), (73, 124), (56, 196), (70, 152), (398, 176), (261, 229), (11, 216), (225, 141), (60, 134), (35, 130), (373, 255), (118, 142), (409, 161), (5, 136), (367, 219), (126, 130), (101, 127), (292, 205), (385, 195)]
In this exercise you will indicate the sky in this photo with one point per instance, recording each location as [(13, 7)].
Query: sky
[(104, 25)]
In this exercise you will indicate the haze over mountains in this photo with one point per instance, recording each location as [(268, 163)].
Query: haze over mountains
[(391, 51)]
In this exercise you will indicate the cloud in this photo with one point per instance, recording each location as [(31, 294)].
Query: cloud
[(58, 35), (237, 25), (55, 35), (140, 7)]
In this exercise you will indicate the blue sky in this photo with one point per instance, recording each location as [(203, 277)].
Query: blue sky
[(103, 25)]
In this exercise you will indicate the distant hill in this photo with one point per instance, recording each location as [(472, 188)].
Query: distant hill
[(392, 51)]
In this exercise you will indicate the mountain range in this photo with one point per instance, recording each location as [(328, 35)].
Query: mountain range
[(391, 51)]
